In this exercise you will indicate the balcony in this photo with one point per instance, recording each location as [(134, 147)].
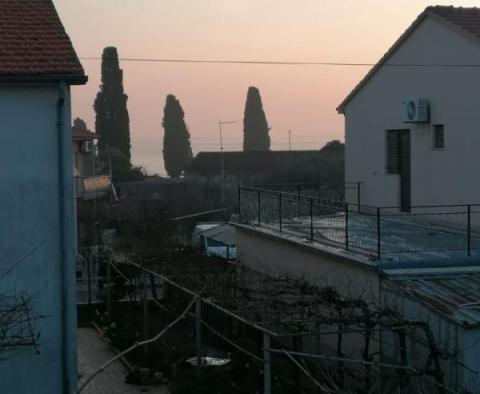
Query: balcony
[(92, 187), (311, 214)]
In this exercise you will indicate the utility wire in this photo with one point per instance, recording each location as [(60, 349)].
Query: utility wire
[(282, 63)]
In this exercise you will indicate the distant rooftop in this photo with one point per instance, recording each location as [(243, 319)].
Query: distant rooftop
[(34, 44), (80, 134), (259, 162)]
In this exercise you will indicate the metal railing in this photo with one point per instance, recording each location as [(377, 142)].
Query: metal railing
[(375, 231), (332, 190)]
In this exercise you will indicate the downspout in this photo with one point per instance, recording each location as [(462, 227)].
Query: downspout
[(66, 237)]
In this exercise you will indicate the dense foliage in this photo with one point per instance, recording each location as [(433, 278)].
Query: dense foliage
[(177, 152), (255, 126), (112, 121)]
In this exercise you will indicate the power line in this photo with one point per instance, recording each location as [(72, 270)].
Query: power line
[(282, 63)]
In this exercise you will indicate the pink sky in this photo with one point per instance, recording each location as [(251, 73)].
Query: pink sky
[(300, 98)]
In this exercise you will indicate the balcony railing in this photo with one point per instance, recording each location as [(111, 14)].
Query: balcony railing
[(380, 232), (90, 187)]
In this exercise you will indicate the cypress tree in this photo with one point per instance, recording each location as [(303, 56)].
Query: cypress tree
[(112, 121), (177, 152), (255, 126)]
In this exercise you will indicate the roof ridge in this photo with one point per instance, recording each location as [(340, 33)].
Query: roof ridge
[(450, 15)]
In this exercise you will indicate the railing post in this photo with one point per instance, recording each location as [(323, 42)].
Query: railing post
[(346, 226), (280, 210), (311, 219), (239, 204), (198, 333), (267, 366), (259, 206), (358, 196), (469, 232), (379, 254)]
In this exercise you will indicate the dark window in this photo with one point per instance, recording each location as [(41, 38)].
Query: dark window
[(393, 151), (438, 136)]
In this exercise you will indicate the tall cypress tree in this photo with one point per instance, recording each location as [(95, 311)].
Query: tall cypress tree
[(112, 123), (255, 126), (177, 152)]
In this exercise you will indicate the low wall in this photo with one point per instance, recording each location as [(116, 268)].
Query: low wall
[(280, 255)]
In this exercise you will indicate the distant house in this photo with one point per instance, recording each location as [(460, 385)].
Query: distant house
[(37, 244), (411, 125), (88, 184)]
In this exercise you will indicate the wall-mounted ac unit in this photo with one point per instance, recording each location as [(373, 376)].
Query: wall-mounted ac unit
[(415, 111), (86, 146)]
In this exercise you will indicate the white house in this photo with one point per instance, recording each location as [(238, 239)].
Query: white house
[(412, 140), (37, 265), (412, 124)]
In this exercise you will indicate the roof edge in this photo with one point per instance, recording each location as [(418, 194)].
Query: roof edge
[(341, 107), (71, 79), (430, 12)]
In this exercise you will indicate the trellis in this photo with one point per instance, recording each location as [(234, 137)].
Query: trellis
[(285, 308)]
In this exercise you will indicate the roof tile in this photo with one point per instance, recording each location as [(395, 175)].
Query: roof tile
[(33, 41)]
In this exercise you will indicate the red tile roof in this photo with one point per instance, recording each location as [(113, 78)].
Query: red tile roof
[(467, 19), (464, 20), (34, 44)]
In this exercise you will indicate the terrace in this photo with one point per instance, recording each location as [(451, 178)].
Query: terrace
[(320, 213)]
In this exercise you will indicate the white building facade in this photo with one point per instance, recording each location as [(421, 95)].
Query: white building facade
[(436, 60)]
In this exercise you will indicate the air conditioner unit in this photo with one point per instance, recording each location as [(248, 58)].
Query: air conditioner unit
[(415, 111), (86, 146)]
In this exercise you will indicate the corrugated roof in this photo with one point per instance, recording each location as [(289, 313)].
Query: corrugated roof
[(465, 20), (455, 293), (34, 44)]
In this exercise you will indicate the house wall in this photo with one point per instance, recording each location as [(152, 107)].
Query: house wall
[(274, 255), (84, 161), (438, 176), (37, 255)]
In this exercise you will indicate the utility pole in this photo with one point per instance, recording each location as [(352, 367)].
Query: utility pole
[(222, 164), (289, 139)]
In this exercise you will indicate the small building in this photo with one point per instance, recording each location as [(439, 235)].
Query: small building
[(216, 239), (411, 124), (448, 300), (37, 244)]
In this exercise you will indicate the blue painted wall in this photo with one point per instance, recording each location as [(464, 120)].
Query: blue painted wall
[(30, 216)]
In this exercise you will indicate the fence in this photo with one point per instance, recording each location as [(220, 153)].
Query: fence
[(333, 190), (376, 231)]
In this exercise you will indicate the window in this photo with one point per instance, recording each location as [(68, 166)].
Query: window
[(438, 136), (393, 151)]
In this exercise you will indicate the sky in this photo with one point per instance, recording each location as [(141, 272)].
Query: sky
[(302, 99)]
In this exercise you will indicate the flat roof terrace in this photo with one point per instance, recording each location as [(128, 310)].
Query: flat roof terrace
[(380, 233)]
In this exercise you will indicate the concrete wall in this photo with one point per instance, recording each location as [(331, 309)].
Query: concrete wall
[(275, 255), (30, 235), (438, 176)]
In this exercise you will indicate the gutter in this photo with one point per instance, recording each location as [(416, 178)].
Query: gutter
[(66, 240)]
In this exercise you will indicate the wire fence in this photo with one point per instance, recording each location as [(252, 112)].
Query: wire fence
[(376, 231)]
